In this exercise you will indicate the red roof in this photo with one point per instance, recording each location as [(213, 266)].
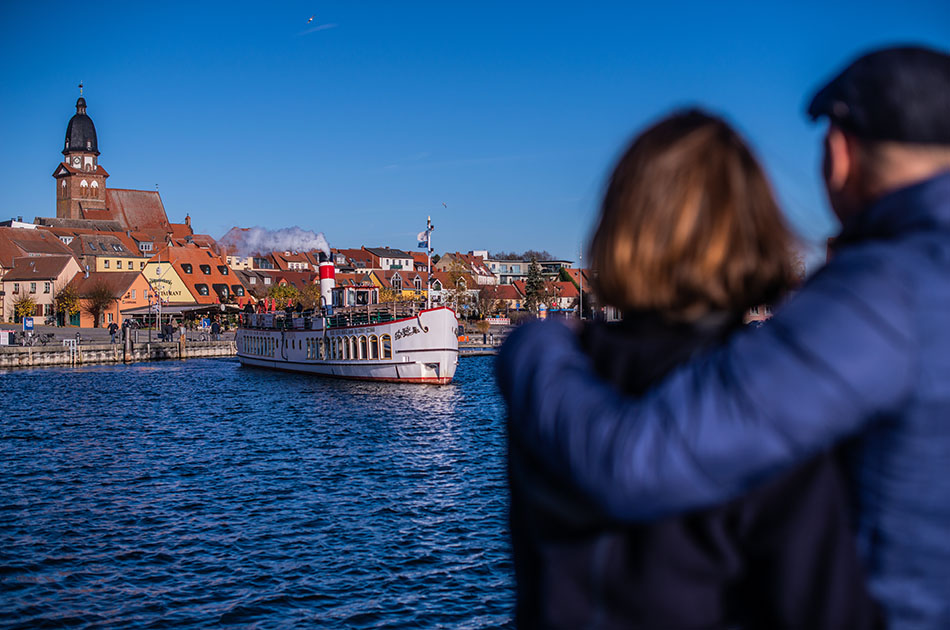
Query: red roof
[(508, 292), (118, 282), (100, 170), (26, 241), (139, 210), (197, 257), (37, 268)]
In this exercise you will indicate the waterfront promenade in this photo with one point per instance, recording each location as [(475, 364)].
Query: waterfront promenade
[(68, 346)]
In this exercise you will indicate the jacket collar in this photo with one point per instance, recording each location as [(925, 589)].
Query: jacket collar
[(919, 207)]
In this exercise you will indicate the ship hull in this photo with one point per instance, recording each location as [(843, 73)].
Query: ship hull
[(419, 349)]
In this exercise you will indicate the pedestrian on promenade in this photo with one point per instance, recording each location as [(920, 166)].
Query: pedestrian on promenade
[(113, 329), (670, 254), (216, 330), (859, 352)]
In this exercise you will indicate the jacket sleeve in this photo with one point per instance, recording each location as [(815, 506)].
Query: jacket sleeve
[(836, 356)]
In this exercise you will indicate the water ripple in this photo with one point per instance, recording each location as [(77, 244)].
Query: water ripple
[(203, 494)]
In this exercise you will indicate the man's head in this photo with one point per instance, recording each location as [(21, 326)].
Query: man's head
[(889, 124)]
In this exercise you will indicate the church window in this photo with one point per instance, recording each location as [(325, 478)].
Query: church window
[(83, 189)]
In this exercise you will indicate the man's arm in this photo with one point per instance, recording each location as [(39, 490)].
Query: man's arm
[(838, 354)]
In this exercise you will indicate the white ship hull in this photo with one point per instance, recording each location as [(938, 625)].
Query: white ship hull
[(418, 349)]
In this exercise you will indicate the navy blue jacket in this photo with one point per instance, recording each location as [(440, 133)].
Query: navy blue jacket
[(862, 351), (759, 561)]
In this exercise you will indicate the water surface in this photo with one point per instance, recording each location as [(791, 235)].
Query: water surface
[(202, 494)]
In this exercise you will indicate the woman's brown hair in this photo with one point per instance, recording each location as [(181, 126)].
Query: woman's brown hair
[(689, 225)]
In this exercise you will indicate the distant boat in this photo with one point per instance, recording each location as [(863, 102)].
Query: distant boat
[(359, 339)]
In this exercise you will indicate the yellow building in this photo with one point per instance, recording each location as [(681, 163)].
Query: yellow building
[(166, 282), (407, 284)]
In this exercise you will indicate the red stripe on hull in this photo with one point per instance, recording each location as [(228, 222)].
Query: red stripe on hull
[(422, 380)]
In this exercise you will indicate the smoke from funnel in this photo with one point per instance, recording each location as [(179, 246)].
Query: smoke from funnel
[(258, 240)]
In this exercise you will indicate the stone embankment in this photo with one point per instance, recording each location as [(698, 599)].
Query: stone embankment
[(85, 354)]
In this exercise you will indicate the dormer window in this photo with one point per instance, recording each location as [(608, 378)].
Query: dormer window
[(202, 289), (205, 269), (417, 283), (223, 270), (397, 283), (92, 246), (186, 267)]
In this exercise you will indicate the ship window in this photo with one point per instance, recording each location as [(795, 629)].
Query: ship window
[(346, 347), (339, 347), (322, 349), (353, 350), (387, 346), (374, 347), (363, 353)]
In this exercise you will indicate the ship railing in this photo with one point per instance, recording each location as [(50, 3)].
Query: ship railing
[(338, 317)]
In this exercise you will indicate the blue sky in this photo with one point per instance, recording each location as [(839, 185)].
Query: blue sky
[(364, 121)]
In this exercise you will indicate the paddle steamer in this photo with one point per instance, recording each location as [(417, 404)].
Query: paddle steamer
[(354, 337)]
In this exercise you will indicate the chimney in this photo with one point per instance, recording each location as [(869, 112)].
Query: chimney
[(188, 220), (327, 279)]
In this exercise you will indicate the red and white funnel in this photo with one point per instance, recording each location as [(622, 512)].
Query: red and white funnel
[(327, 279)]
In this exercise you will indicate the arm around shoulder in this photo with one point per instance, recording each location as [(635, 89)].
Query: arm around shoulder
[(839, 354)]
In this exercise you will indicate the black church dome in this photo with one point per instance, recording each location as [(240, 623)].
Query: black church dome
[(81, 133)]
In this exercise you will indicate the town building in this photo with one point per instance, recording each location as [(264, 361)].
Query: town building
[(128, 289), (39, 279), (386, 258)]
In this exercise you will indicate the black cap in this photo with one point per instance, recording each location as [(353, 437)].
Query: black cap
[(899, 94)]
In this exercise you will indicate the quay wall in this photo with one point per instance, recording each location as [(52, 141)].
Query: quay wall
[(86, 354)]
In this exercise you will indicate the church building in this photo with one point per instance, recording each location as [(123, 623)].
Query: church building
[(83, 199)]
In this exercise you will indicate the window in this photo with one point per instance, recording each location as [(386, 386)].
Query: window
[(223, 270), (363, 353), (186, 267), (16, 287), (397, 283), (237, 290), (92, 246), (374, 347), (354, 352), (253, 280), (205, 269), (109, 317), (387, 346), (32, 287), (267, 280), (141, 265), (105, 264), (133, 294), (202, 289), (322, 348), (46, 287), (417, 283)]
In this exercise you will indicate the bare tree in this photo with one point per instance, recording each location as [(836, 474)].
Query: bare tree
[(97, 300)]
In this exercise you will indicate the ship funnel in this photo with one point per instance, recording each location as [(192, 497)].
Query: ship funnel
[(327, 279)]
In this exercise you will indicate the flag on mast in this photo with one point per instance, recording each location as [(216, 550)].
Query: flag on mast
[(423, 238)]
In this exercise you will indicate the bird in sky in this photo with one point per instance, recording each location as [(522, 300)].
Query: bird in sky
[(311, 19), (443, 205)]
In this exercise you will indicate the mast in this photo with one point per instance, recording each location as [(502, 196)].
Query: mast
[(428, 243)]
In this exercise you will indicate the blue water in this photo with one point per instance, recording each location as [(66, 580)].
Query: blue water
[(204, 494)]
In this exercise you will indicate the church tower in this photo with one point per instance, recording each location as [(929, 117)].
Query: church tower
[(80, 181)]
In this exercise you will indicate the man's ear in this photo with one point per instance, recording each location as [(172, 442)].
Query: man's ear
[(839, 159)]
